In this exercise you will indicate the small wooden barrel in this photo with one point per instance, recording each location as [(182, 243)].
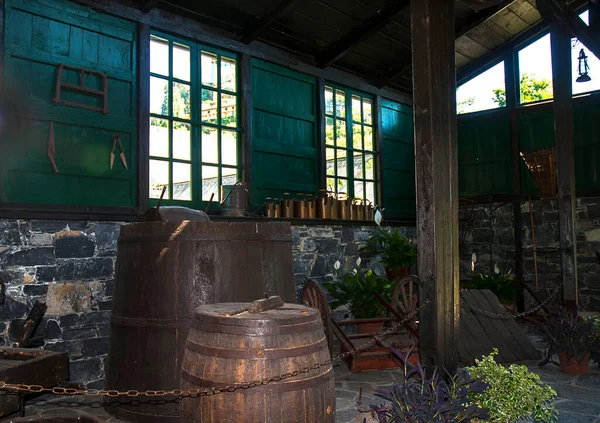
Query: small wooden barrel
[(223, 350)]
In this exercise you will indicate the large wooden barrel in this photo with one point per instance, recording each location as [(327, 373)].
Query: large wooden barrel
[(222, 350), (164, 271)]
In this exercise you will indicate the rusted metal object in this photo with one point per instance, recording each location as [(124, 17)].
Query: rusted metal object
[(224, 350), (164, 271), (234, 199), (81, 88), (18, 365), (33, 319)]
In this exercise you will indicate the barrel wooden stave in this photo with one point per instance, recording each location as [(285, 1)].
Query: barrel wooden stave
[(164, 271), (271, 346)]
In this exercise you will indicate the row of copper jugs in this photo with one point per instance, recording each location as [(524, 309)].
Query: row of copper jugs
[(324, 205)]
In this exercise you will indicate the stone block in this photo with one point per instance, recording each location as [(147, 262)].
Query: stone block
[(320, 267), (78, 225), (85, 370), (104, 330), (45, 273), (65, 270), (593, 235), (105, 305), (30, 257), (93, 268), (69, 320), (327, 246), (41, 239), (94, 318), (35, 290), (73, 244), (10, 233), (308, 245), (66, 298), (95, 384), (95, 347), (593, 211), (48, 226), (302, 266), (107, 235), (52, 330), (79, 333), (12, 309)]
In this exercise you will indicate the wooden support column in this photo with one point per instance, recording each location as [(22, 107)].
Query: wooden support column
[(565, 159), (143, 63), (434, 99), (246, 119), (595, 15)]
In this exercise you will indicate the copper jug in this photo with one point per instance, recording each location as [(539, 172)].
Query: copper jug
[(287, 205), (358, 212), (344, 204), (300, 207), (369, 211), (311, 206), (323, 204)]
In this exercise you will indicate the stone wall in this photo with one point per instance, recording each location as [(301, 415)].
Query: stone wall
[(497, 227), (70, 266)]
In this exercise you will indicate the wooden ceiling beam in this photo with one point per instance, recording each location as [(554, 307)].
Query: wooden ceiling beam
[(405, 66), (560, 13), (364, 31), (261, 23), (147, 5)]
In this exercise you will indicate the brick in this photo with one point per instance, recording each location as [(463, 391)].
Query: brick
[(35, 290), (40, 239), (95, 347), (31, 257), (48, 226), (86, 369), (45, 273), (10, 233), (107, 235), (73, 244), (73, 348), (67, 298), (12, 309), (93, 268), (65, 270), (79, 333)]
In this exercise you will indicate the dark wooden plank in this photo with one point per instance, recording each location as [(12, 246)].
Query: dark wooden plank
[(1, 67), (321, 132), (143, 106), (565, 161), (595, 15), (246, 118), (476, 339), (526, 11), (529, 351), (482, 17), (148, 5), (33, 319), (362, 32), (255, 30), (436, 178)]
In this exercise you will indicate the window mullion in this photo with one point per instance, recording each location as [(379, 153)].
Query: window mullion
[(349, 145)]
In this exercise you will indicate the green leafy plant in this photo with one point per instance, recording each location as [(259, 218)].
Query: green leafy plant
[(572, 335), (513, 392), (394, 249), (501, 284), (355, 290)]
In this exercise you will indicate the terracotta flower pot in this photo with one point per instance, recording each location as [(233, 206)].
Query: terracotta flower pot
[(414, 357), (370, 327), (574, 366)]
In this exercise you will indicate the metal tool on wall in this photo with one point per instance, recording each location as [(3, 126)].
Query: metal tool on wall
[(81, 88), (117, 139)]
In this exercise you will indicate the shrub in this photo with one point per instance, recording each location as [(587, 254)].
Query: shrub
[(513, 393)]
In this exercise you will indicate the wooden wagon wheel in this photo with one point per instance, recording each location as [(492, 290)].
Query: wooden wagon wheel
[(405, 297), (314, 296)]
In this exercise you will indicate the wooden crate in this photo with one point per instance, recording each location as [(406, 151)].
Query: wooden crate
[(32, 367)]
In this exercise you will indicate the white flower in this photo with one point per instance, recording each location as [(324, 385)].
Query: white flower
[(472, 266), (473, 258), (337, 265), (378, 218), (355, 271), (496, 270), (358, 261)]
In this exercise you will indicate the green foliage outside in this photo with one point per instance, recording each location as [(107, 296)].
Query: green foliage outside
[(532, 89), (182, 103), (501, 284), (513, 393)]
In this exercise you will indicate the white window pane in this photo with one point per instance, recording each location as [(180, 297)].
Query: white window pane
[(229, 176), (209, 106), (210, 145), (485, 91), (159, 56), (229, 148), (331, 184), (330, 161), (209, 69), (593, 63), (359, 187), (340, 133), (159, 178), (328, 100), (210, 183), (228, 110), (371, 192), (159, 96), (535, 71), (357, 136), (342, 163), (159, 137), (228, 74), (368, 138), (358, 166), (329, 138), (182, 136), (369, 166), (181, 62), (367, 117), (340, 103), (182, 185), (356, 113), (181, 101)]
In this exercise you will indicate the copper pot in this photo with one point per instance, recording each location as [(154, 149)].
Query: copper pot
[(344, 207), (324, 204), (273, 207), (369, 211), (358, 212), (311, 206), (287, 205), (300, 207)]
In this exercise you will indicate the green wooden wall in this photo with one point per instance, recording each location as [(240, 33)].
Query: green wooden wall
[(484, 161), (41, 34), (587, 147), (284, 132), (398, 159)]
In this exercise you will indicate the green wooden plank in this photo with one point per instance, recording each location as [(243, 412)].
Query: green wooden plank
[(285, 150)]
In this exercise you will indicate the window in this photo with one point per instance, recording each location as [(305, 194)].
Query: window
[(193, 150), (485, 91), (535, 71), (593, 63), (349, 144)]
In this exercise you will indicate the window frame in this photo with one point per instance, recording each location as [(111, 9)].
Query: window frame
[(480, 72), (517, 70), (195, 121), (349, 149)]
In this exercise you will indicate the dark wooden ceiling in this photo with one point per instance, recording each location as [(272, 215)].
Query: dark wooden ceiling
[(370, 38)]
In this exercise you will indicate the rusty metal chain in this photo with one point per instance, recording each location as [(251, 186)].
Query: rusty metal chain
[(509, 316), (20, 387)]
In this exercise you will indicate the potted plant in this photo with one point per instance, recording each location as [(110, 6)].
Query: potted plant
[(514, 392), (397, 252), (574, 339), (423, 399), (355, 290), (501, 284)]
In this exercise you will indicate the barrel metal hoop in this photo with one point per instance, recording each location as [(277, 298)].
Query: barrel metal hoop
[(257, 354), (204, 237), (135, 322), (257, 331), (272, 387), (262, 320)]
